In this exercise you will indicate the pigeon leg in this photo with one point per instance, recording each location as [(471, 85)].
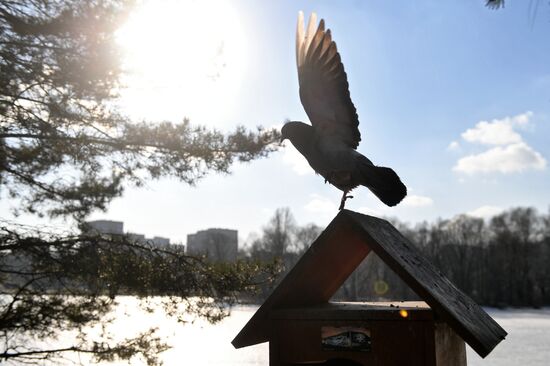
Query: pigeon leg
[(343, 200)]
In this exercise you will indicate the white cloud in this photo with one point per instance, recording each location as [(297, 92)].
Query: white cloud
[(522, 119), (492, 133), (510, 154), (417, 201), (485, 212), (292, 157), (498, 131), (320, 204), (514, 158), (453, 146)]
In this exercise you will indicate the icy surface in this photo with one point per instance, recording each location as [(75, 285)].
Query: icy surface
[(200, 343), (527, 343)]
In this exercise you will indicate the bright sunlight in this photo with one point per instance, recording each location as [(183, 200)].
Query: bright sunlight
[(184, 59)]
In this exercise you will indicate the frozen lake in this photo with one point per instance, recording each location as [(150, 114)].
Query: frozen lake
[(200, 343), (528, 341)]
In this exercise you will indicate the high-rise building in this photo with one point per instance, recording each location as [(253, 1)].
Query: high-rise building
[(218, 245), (105, 227), (108, 227)]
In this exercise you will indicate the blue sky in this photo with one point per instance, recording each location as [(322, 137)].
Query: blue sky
[(453, 96)]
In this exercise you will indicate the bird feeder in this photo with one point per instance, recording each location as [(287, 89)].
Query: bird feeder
[(304, 328)]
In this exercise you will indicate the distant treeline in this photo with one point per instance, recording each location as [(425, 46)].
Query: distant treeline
[(503, 261)]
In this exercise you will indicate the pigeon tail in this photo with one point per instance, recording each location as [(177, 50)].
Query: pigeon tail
[(384, 183)]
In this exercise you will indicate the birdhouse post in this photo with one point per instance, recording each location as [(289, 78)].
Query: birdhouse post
[(304, 328)]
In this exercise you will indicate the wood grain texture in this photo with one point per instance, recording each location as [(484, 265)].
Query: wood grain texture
[(340, 249), (416, 310), (449, 347), (416, 340), (466, 317), (299, 342), (313, 280)]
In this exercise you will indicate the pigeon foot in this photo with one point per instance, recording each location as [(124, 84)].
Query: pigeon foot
[(343, 200)]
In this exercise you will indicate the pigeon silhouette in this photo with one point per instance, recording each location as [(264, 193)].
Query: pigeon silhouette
[(329, 144)]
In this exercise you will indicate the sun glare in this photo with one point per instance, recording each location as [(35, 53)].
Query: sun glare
[(183, 59)]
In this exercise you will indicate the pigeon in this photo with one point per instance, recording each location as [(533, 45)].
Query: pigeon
[(329, 144)]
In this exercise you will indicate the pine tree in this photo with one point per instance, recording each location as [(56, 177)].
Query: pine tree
[(66, 151)]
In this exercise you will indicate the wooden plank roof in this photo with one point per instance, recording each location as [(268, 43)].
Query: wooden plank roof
[(340, 249)]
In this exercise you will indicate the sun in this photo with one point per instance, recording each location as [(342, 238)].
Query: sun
[(182, 58)]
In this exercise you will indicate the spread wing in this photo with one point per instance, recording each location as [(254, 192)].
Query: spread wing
[(323, 83)]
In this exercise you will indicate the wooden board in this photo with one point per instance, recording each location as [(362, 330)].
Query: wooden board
[(466, 317), (415, 310), (340, 249), (449, 348), (414, 340), (313, 280), (394, 343)]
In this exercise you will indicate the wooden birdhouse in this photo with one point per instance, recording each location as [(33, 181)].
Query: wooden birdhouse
[(304, 328)]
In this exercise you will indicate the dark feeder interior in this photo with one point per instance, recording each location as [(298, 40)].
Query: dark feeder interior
[(304, 328)]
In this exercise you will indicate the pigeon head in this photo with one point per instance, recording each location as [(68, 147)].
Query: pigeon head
[(298, 133)]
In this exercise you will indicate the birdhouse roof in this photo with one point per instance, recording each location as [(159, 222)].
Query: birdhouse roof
[(340, 249)]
